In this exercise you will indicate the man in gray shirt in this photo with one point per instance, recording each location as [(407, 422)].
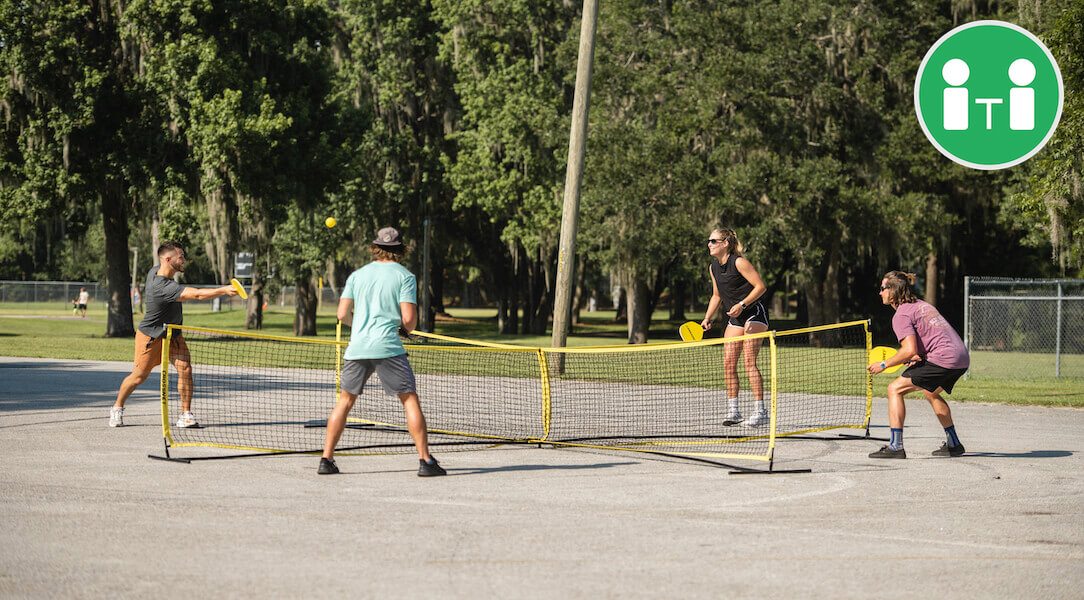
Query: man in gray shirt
[(163, 297)]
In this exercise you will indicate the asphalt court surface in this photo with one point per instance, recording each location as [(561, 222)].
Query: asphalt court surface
[(87, 514)]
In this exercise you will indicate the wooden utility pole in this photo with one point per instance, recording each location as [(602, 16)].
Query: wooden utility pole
[(577, 144)]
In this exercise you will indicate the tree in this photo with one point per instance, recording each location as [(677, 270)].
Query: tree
[(1048, 203), (391, 78), (512, 63), (246, 84), (77, 125)]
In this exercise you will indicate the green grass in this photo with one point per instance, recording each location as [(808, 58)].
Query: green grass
[(1023, 365), (48, 331), (1043, 392)]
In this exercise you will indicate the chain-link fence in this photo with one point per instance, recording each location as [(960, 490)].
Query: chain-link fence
[(1024, 328), (48, 292)]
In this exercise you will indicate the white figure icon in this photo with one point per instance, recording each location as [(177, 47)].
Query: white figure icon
[(955, 73), (1021, 98)]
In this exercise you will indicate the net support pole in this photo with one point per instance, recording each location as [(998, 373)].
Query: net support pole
[(1057, 338), (772, 423), (426, 326), (967, 320), (165, 384), (869, 376), (577, 145), (338, 362)]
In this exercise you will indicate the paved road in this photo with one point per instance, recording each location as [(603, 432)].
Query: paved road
[(87, 514)]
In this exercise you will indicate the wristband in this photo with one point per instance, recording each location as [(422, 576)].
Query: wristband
[(883, 365), (743, 305)]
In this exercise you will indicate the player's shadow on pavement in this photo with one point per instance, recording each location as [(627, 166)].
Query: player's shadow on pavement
[(485, 470), (60, 384), (1031, 454), (456, 471)]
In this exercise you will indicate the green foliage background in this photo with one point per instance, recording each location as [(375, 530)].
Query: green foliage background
[(240, 125)]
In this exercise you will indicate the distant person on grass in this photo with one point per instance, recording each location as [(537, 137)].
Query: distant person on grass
[(84, 299), (937, 358), (736, 285), (164, 297), (376, 300)]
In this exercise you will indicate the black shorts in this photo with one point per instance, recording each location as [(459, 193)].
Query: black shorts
[(929, 376), (755, 313)]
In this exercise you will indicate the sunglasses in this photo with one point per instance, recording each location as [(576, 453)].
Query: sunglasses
[(711, 241), (884, 287)]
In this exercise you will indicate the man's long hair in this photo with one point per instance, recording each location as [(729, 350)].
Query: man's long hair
[(899, 285), (395, 253)]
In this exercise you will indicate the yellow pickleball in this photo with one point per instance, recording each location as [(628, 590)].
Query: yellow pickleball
[(330, 222)]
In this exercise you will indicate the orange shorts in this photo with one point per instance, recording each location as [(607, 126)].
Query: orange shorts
[(148, 352)]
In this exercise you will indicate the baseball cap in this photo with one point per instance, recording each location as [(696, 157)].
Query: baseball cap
[(388, 236)]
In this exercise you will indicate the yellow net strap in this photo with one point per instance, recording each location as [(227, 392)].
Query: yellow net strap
[(546, 398), (597, 349), (165, 383)]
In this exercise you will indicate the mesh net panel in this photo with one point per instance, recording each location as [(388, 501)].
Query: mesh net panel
[(821, 379), (665, 398), (254, 392)]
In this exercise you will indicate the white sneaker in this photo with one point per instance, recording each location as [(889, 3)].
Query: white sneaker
[(116, 416), (187, 420), (732, 418), (758, 419)]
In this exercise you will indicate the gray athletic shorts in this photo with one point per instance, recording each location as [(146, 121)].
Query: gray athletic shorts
[(395, 374)]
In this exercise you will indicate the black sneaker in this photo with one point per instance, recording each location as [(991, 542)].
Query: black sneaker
[(430, 469), (327, 467), (946, 450), (886, 452)]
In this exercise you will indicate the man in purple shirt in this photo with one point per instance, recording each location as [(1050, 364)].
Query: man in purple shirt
[(937, 358)]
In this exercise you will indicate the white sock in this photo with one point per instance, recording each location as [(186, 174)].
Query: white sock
[(733, 404), (758, 406)]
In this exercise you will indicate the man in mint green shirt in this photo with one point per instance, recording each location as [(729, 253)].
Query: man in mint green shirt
[(376, 300)]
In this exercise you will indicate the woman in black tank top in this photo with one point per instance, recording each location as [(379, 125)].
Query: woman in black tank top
[(737, 288)]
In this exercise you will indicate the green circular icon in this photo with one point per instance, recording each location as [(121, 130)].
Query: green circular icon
[(988, 95)]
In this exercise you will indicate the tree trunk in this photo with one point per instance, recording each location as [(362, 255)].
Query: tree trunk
[(118, 273), (578, 289), (254, 308), (513, 309), (534, 278), (931, 278), (656, 290), (503, 314), (822, 293), (545, 280), (305, 307), (639, 317), (622, 305), (221, 233), (333, 279), (677, 301), (156, 240), (436, 293)]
